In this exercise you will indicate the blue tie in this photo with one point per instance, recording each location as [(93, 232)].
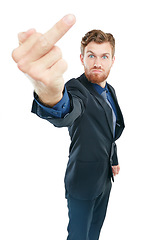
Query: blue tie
[(110, 99)]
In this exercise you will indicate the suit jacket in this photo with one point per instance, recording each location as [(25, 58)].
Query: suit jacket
[(92, 150)]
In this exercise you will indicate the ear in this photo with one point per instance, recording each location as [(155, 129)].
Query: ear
[(113, 59), (82, 59)]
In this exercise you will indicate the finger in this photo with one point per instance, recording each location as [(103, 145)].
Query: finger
[(49, 59), (60, 28), (36, 68), (24, 48), (22, 36), (57, 70), (46, 42), (46, 77), (114, 169), (36, 47)]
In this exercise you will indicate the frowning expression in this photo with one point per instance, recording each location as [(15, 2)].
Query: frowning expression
[(97, 61)]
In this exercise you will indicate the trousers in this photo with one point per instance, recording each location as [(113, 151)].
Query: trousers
[(86, 217)]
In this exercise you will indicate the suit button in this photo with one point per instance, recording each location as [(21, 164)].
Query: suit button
[(64, 105)]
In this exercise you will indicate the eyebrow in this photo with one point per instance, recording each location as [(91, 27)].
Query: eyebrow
[(89, 51)]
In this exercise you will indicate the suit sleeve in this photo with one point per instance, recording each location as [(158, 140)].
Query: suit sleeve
[(114, 155), (76, 109), (59, 110)]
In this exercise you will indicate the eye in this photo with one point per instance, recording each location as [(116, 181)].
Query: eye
[(91, 56), (105, 57)]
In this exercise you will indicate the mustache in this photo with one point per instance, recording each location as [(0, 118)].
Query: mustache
[(96, 68)]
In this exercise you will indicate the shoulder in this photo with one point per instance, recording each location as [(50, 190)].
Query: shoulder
[(110, 87), (75, 87), (75, 82)]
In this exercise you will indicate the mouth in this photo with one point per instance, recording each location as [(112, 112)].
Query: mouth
[(96, 70)]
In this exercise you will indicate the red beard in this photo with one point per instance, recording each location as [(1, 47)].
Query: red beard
[(96, 77)]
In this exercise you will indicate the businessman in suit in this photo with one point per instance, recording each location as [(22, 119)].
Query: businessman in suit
[(88, 107)]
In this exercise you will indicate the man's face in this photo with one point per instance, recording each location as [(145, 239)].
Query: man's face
[(97, 61)]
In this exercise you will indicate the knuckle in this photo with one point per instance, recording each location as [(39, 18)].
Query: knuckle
[(36, 35), (33, 39), (14, 55), (59, 68), (34, 72), (22, 65), (46, 79), (57, 51), (43, 43), (63, 65)]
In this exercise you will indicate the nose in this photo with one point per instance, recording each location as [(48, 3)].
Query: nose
[(97, 62)]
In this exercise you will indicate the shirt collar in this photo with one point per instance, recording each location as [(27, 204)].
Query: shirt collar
[(99, 89)]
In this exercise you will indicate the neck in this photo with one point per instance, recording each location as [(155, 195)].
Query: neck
[(102, 84)]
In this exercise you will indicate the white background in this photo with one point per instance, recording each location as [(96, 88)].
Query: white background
[(33, 153)]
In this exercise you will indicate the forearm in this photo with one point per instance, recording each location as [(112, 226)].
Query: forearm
[(46, 94)]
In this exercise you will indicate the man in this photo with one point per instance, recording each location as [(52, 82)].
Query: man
[(88, 107)]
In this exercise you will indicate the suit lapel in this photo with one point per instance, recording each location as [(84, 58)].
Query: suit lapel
[(108, 112), (120, 121), (100, 99)]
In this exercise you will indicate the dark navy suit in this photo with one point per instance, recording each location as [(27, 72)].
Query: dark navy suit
[(92, 149)]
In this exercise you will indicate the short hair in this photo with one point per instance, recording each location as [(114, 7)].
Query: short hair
[(99, 37)]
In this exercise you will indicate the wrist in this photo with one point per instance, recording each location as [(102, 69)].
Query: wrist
[(50, 101)]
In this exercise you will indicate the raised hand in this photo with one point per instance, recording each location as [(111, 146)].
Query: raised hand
[(39, 58)]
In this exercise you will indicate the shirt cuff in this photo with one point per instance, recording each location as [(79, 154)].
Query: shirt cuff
[(60, 109)]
